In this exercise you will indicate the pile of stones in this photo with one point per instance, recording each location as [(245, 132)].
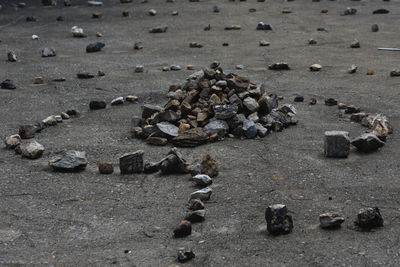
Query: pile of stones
[(210, 106)]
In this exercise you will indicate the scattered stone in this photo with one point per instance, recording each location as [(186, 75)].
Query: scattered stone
[(380, 11), (239, 67), (261, 26), (64, 116), (202, 180), (131, 162), (60, 18), (208, 27), (374, 28), (50, 121), (367, 143), (369, 218), (132, 98), (125, 13), (125, 1), (49, 2), (195, 204), (286, 11), (183, 229), (312, 42), (12, 141), (12, 57), (48, 52), (196, 216), (370, 72), (298, 98), (355, 44), (331, 102), (117, 101), (72, 112), (27, 131), (203, 194), (312, 101), (156, 141), (191, 138), (330, 220), (358, 117), (321, 29), (97, 104), (175, 67), (252, 10), (175, 13), (342, 106), (35, 37), (190, 67), (77, 32), (350, 11), (316, 67), (264, 43), (70, 161), (95, 47), (7, 84), (395, 73), (159, 29), (279, 66), (337, 144), (233, 27), (139, 68), (95, 3), (138, 46), (31, 19), (185, 255), (99, 34), (152, 12), (38, 80), (216, 9), (106, 167), (195, 45), (324, 11), (67, 2), (278, 221)]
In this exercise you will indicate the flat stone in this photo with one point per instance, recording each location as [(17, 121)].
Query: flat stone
[(316, 67), (202, 180), (12, 57), (380, 11), (250, 129), (251, 104), (278, 221), (70, 161), (168, 129), (203, 194), (97, 104), (330, 220), (157, 141), (190, 138), (149, 110), (337, 144), (374, 28), (350, 11), (130, 163), (261, 26), (331, 102), (151, 167), (369, 218), (139, 68), (355, 44), (117, 101), (223, 112), (367, 143), (95, 3), (85, 75)]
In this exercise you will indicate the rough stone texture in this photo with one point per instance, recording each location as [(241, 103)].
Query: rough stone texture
[(337, 144), (32, 150), (130, 163), (330, 220), (278, 221), (27, 131), (70, 161), (202, 180), (203, 194), (183, 229), (369, 218), (367, 143), (12, 141), (106, 167)]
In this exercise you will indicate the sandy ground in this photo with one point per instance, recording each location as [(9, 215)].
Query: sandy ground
[(88, 219)]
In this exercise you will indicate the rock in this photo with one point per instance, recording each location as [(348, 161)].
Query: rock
[(156, 141), (12, 57), (152, 12), (117, 101), (27, 131), (316, 67), (175, 67), (203, 194), (151, 167), (312, 42), (72, 112), (48, 52), (190, 138), (279, 66), (139, 68), (202, 180), (138, 46), (355, 44), (251, 104), (168, 129), (239, 67), (49, 2), (380, 11), (331, 102), (298, 98), (369, 218), (374, 28), (125, 1), (95, 3), (324, 11), (183, 229), (337, 144), (224, 112), (173, 163), (352, 109), (31, 19), (207, 28), (35, 37), (58, 118), (132, 98), (264, 43), (261, 26), (12, 141), (175, 13), (395, 73), (261, 130), (106, 167), (219, 127), (99, 34), (342, 106), (312, 101), (195, 45), (216, 9), (330, 220), (38, 80), (357, 117), (97, 104), (77, 32), (249, 129), (196, 216), (149, 110), (367, 143), (190, 67), (95, 47), (350, 11), (7, 84), (84, 75), (278, 221), (233, 27), (195, 204), (185, 255), (130, 163), (101, 73), (125, 13), (60, 18), (159, 29), (50, 121), (70, 161), (370, 72), (67, 2)]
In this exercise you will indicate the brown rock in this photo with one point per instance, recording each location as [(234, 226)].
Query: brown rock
[(370, 72), (191, 138), (190, 67), (209, 166), (184, 127), (64, 116), (12, 57), (183, 229), (38, 80), (106, 168)]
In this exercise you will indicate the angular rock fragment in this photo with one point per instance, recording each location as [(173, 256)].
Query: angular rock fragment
[(395, 73), (7, 84), (183, 229), (95, 3), (12, 141), (355, 44), (106, 167), (50, 121), (337, 144), (369, 218), (367, 143), (117, 101), (48, 52), (27, 131), (94, 47), (330, 220), (331, 102), (278, 221), (130, 163), (202, 180), (203, 194), (185, 255), (84, 75), (350, 11), (190, 138), (196, 216), (374, 28), (151, 167), (70, 161), (173, 163), (195, 204)]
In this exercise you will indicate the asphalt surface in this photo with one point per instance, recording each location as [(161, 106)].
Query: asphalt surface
[(88, 219)]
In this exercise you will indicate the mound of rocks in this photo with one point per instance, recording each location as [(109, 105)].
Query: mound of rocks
[(209, 106)]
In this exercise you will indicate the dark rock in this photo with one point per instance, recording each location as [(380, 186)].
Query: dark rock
[(240, 84), (278, 221), (369, 218), (380, 11), (395, 73), (279, 66), (95, 47), (261, 26), (49, 2), (185, 255), (203, 194), (352, 109), (196, 216), (27, 131), (149, 110), (97, 104), (95, 3), (60, 18), (337, 144), (219, 127), (195, 204), (72, 112), (312, 101), (31, 19), (223, 112), (173, 163), (117, 101), (85, 75), (299, 98), (250, 129), (156, 141), (350, 11), (168, 129), (8, 84), (32, 150), (159, 29), (69, 161), (330, 220), (183, 229), (216, 9), (48, 52), (106, 167), (131, 162), (250, 104), (367, 143), (374, 28), (331, 102), (151, 167), (357, 117)]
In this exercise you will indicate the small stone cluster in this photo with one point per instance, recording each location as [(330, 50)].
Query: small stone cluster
[(210, 106)]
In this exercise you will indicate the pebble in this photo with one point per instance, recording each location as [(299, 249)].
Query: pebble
[(99, 34), (264, 27), (106, 167), (131, 162), (69, 161), (64, 116), (95, 47), (190, 67), (95, 3), (139, 68), (175, 67), (195, 45), (374, 28), (48, 52), (352, 69), (125, 13), (279, 66), (203, 194), (331, 102), (8, 84), (159, 29), (330, 220), (342, 106), (27, 131), (336, 144), (298, 98), (350, 11), (138, 46), (380, 11), (395, 73), (264, 43), (85, 75), (132, 98), (312, 101), (12, 57), (312, 42), (117, 101), (369, 218), (175, 13), (97, 104), (185, 255), (370, 72), (216, 9), (239, 67), (101, 73), (12, 141), (202, 180), (77, 32), (367, 143), (152, 12), (50, 121), (355, 44), (35, 37), (316, 67), (32, 150), (195, 204), (278, 221), (196, 216), (38, 80), (183, 229)]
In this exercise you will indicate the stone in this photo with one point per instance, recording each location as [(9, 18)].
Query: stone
[(95, 3), (196, 216), (151, 167), (239, 67), (94, 47), (195, 45), (99, 34), (67, 2), (202, 180), (159, 29), (64, 116), (324, 11), (263, 43), (185, 255), (374, 28), (183, 229), (312, 101), (249, 129), (138, 46), (278, 221), (369, 218), (173, 163), (38, 80), (35, 37), (370, 72), (139, 68), (60, 18), (50, 121), (261, 26), (58, 118), (251, 104), (69, 161), (261, 130), (350, 11), (149, 110), (342, 106), (312, 42), (380, 11), (331, 102), (337, 144), (216, 9), (12, 57), (233, 27), (330, 220), (156, 141), (125, 13), (203, 194), (8, 84), (84, 75), (191, 138), (72, 112), (97, 104), (355, 44), (195, 204), (395, 73), (49, 2), (316, 67), (224, 112), (279, 66), (358, 117), (219, 127), (27, 131), (207, 28), (132, 98), (117, 101), (190, 67), (77, 32), (298, 98), (12, 141), (175, 13), (175, 67), (367, 143), (101, 73), (130, 163), (106, 167), (168, 129), (48, 52), (125, 1), (152, 12), (31, 19), (352, 109), (352, 69)]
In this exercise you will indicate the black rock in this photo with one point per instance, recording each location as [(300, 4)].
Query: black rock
[(72, 112), (219, 127), (60, 18), (336, 144), (159, 29), (278, 221), (367, 143), (48, 52), (31, 19), (350, 11), (69, 162), (299, 98), (149, 110), (85, 75), (264, 27), (97, 104), (249, 129), (7, 84), (151, 167), (369, 218), (223, 112), (96, 47), (173, 163), (27, 131), (196, 216), (380, 11), (216, 9), (131, 162), (330, 102)]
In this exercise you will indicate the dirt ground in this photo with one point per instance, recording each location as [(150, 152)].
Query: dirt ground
[(88, 219)]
